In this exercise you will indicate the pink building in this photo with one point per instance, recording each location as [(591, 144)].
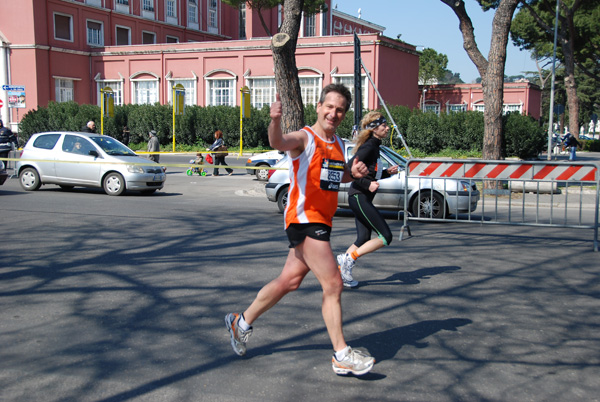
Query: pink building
[(523, 97), (63, 50)]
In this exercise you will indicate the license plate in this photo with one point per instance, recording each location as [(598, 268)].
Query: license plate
[(157, 177)]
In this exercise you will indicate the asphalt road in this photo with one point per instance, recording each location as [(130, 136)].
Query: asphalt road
[(123, 298)]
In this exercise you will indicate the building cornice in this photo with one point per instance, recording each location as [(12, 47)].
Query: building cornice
[(356, 20)]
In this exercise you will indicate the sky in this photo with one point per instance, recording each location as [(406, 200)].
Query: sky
[(432, 24)]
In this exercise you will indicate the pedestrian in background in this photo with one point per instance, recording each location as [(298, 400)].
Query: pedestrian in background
[(8, 142), (571, 144), (90, 127), (220, 152), (126, 135), (153, 146)]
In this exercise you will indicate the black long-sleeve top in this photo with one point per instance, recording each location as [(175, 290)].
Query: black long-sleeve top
[(367, 153)]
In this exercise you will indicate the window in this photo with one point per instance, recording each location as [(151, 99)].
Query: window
[(145, 92), (123, 36), (512, 107), (193, 15), (95, 33), (310, 87), (456, 107), (122, 6), (172, 39), (77, 145), (63, 27), (309, 25), (171, 9), (348, 82), (479, 107), (243, 21), (148, 5), (431, 106), (148, 38), (221, 92), (47, 141), (213, 16), (64, 89), (115, 85), (262, 91), (190, 90)]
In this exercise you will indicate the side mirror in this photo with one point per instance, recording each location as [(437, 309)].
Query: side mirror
[(94, 153)]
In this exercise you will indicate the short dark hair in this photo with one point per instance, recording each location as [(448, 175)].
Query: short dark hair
[(340, 89)]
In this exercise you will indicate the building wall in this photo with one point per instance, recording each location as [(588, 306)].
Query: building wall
[(525, 94)]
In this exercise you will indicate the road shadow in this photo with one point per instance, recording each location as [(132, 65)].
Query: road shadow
[(410, 278)]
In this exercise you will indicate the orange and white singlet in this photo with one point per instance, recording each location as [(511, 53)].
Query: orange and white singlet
[(315, 177)]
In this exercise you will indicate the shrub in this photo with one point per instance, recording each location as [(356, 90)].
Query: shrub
[(523, 136), (425, 132)]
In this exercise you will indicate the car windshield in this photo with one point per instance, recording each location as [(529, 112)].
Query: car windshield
[(393, 156), (112, 146)]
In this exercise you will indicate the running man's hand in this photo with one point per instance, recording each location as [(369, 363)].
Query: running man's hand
[(373, 186), (276, 109), (358, 169)]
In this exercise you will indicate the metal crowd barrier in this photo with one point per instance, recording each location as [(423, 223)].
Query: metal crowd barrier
[(548, 194)]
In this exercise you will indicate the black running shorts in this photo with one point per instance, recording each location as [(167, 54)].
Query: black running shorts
[(297, 232)]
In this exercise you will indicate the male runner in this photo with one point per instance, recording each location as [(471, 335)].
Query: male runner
[(316, 169)]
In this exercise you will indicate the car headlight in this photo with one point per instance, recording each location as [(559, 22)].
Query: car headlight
[(135, 169)]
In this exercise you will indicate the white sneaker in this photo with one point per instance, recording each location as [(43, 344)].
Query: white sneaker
[(239, 337), (345, 264), (355, 362)]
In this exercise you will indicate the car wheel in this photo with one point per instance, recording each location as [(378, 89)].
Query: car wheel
[(262, 174), (428, 204), (30, 179), (114, 184), (282, 199)]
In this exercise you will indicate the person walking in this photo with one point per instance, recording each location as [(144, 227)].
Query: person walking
[(153, 146), (90, 127), (571, 143), (8, 142), (219, 156), (361, 193), (316, 169)]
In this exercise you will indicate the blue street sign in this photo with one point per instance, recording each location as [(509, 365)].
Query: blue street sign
[(13, 87)]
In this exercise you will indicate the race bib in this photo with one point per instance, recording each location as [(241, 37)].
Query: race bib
[(331, 174)]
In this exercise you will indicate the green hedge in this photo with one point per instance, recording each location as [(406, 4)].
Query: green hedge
[(424, 132)]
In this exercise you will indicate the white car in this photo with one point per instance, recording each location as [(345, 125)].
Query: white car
[(70, 159), (261, 163), (430, 198)]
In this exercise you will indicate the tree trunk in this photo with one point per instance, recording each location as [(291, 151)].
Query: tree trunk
[(571, 90), (490, 69), (283, 47), (493, 81)]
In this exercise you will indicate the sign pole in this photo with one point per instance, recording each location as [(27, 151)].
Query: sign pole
[(244, 112)]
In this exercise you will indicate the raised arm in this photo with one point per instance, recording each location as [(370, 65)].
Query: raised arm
[(295, 141)]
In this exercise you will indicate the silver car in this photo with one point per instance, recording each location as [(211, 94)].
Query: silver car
[(259, 164), (71, 159), (449, 196)]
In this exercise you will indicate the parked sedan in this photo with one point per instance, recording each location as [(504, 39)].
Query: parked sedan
[(431, 198), (261, 163), (71, 159)]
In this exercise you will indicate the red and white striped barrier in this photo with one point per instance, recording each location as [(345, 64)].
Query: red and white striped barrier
[(505, 170)]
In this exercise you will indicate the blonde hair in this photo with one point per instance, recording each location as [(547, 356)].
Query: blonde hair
[(366, 133)]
